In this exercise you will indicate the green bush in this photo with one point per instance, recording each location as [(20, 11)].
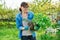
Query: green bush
[(42, 19)]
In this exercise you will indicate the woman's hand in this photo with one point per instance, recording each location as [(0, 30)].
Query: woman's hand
[(26, 27)]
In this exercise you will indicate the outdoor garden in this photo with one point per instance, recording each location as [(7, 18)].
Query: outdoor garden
[(46, 14)]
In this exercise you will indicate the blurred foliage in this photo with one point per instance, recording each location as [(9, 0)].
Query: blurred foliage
[(8, 29), (37, 7), (47, 6), (6, 13), (42, 19)]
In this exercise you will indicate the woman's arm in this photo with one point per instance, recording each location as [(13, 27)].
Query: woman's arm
[(18, 23), (20, 26), (31, 15)]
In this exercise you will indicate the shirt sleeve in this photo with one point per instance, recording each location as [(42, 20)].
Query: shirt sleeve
[(18, 24), (31, 15)]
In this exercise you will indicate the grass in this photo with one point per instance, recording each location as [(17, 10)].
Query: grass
[(7, 33), (12, 34)]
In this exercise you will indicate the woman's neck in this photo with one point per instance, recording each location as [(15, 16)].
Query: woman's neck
[(24, 14)]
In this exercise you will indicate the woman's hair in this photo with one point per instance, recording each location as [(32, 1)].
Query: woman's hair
[(24, 4)]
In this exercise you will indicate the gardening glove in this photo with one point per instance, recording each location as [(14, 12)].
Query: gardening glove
[(26, 27)]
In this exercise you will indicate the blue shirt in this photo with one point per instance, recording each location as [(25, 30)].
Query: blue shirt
[(19, 23)]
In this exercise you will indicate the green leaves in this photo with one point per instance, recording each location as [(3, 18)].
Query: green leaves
[(42, 19)]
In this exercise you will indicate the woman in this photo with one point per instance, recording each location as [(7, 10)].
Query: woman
[(22, 19)]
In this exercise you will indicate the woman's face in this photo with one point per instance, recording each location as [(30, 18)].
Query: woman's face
[(24, 9)]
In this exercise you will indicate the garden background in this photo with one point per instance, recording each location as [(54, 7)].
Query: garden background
[(46, 14)]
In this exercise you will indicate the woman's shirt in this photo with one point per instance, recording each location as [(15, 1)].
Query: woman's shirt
[(25, 23)]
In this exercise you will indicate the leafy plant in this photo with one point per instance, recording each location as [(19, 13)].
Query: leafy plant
[(42, 19)]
